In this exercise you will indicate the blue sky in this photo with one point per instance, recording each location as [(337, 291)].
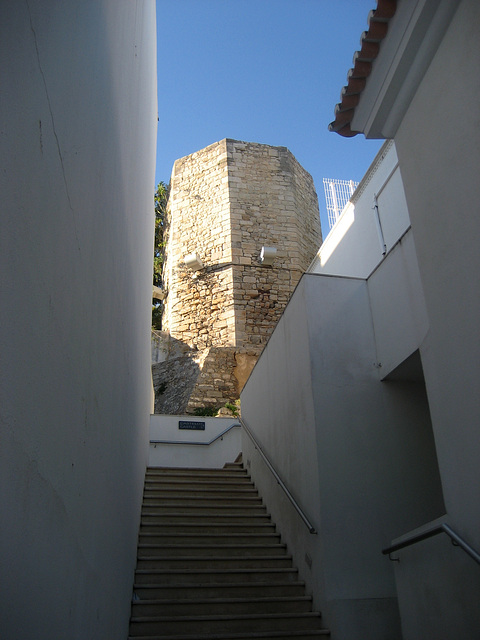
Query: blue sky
[(267, 71)]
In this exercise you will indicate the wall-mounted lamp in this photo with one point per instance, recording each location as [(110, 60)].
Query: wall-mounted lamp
[(267, 256), (192, 261), (158, 293)]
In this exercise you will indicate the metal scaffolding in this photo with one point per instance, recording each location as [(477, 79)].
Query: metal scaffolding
[(337, 194)]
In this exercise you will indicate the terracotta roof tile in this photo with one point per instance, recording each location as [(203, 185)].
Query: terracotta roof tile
[(362, 66)]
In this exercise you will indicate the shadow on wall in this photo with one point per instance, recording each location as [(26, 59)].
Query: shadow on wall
[(187, 380), (175, 371), (174, 381)]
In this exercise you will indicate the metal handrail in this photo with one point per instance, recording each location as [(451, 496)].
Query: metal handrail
[(204, 444), (295, 504), (434, 531), (282, 484)]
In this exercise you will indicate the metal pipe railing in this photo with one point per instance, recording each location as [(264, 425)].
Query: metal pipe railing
[(434, 531), (282, 484), (197, 444), (263, 455)]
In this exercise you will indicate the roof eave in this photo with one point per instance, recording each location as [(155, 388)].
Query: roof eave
[(414, 33)]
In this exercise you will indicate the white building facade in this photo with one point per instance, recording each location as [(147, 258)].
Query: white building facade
[(79, 118), (371, 377)]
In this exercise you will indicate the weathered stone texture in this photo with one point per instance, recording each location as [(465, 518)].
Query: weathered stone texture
[(216, 383), (174, 381), (198, 309), (226, 202)]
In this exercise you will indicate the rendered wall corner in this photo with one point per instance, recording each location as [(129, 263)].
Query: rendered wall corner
[(79, 120)]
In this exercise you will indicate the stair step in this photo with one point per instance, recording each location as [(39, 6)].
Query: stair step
[(224, 623), (204, 528), (205, 576), (201, 488), (217, 539), (149, 517), (197, 481), (191, 508), (305, 634), (196, 501), (219, 491), (194, 563), (204, 487), (206, 550), (216, 501), (224, 590), (200, 471), (210, 564), (218, 606)]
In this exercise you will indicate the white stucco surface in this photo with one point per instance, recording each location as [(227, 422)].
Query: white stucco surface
[(342, 440), (353, 248), (443, 191), (78, 117), (169, 444), (424, 294), (394, 452), (434, 569), (398, 306)]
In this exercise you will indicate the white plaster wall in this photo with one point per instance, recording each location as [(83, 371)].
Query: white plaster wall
[(443, 194), (286, 367), (343, 441), (277, 404), (438, 144), (78, 123), (175, 450), (398, 306), (427, 611), (352, 248)]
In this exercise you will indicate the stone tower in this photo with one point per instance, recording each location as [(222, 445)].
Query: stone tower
[(227, 202)]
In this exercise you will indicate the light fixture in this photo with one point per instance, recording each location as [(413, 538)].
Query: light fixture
[(267, 256), (192, 261), (158, 293)]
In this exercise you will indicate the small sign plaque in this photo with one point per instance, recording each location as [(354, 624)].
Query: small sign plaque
[(191, 425)]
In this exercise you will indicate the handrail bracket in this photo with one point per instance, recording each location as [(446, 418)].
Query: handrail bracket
[(456, 539)]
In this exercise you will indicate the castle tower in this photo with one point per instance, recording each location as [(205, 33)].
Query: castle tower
[(227, 202)]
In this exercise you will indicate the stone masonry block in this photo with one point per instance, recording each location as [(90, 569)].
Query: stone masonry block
[(227, 201)]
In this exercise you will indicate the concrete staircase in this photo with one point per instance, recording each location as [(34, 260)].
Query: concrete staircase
[(211, 565)]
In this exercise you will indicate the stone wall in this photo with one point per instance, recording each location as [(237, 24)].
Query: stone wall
[(226, 202), (272, 203), (199, 307)]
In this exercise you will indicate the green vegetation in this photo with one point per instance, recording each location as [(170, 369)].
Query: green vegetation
[(161, 200), (234, 407), (212, 412), (205, 411)]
